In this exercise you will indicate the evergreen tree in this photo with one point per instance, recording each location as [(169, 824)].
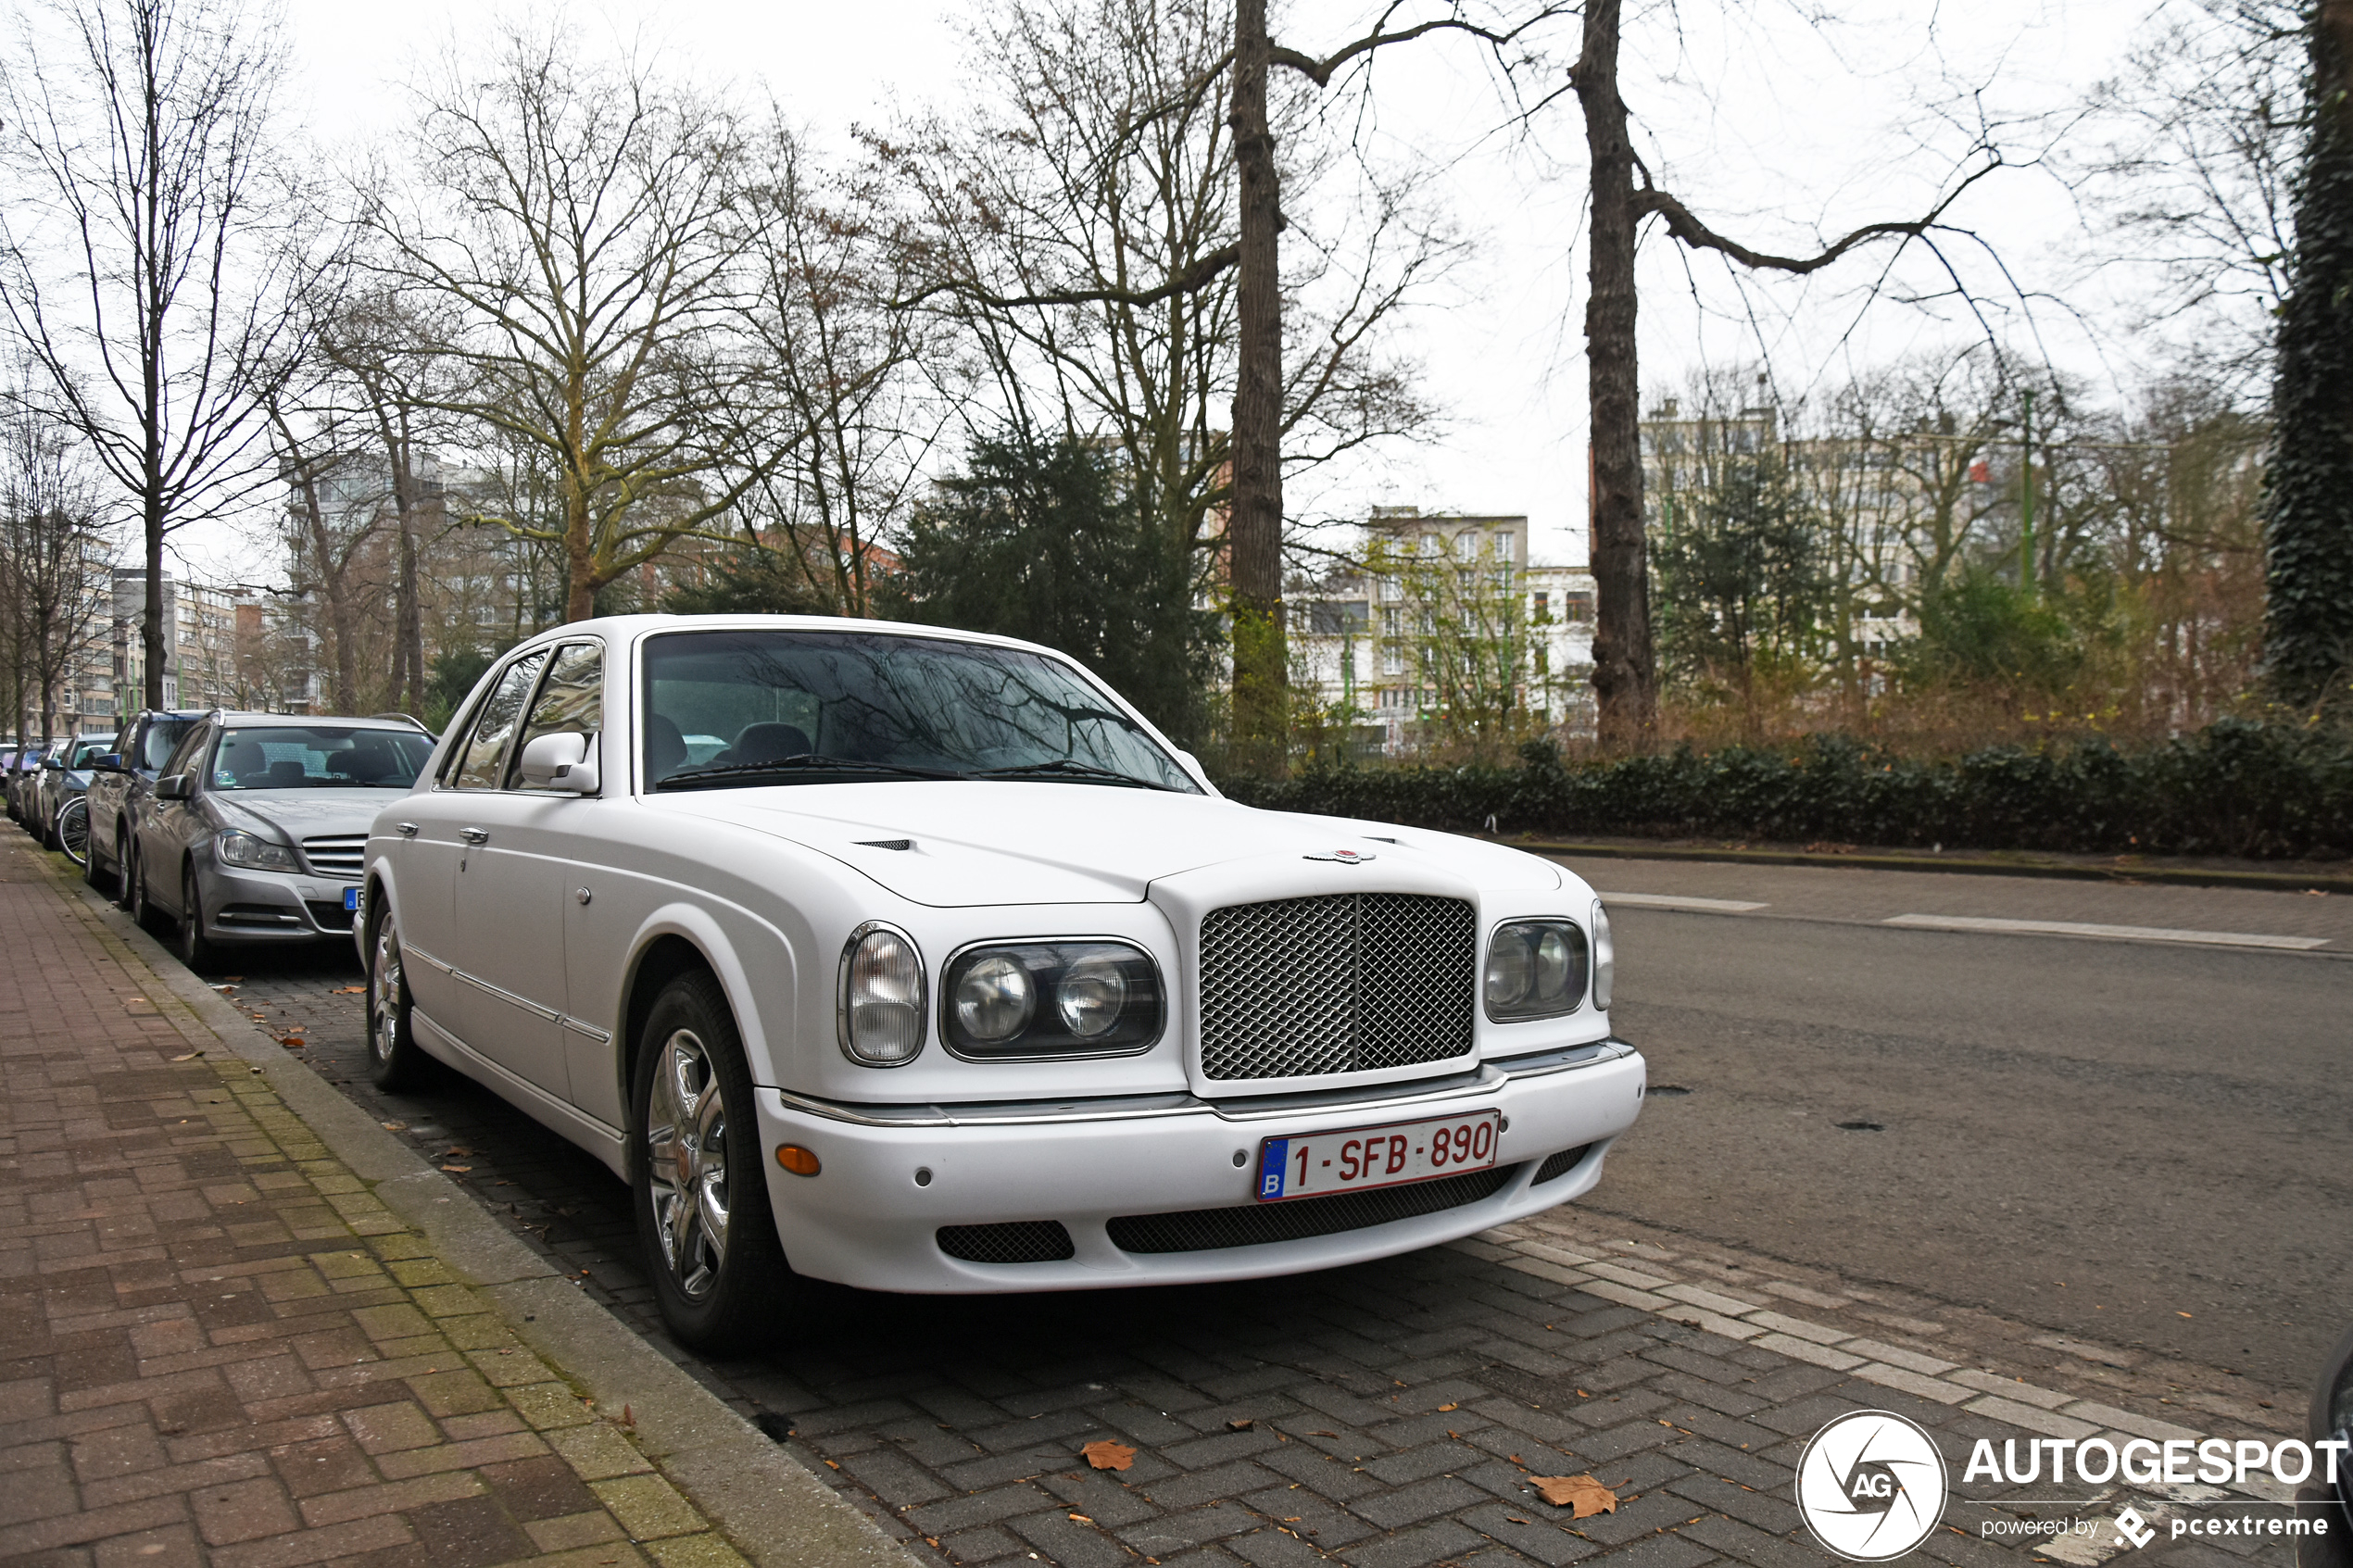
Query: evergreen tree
[(1042, 540), (2309, 522)]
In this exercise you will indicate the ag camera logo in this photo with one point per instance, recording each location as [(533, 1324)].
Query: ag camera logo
[(1870, 1486)]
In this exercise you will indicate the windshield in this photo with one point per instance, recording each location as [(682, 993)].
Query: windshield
[(317, 756), (824, 707)]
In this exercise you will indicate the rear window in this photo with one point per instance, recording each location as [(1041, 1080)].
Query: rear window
[(316, 756)]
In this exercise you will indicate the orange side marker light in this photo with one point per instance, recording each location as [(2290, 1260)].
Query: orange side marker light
[(799, 1161)]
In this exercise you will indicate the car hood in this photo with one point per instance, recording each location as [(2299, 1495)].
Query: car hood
[(301, 814), (977, 842)]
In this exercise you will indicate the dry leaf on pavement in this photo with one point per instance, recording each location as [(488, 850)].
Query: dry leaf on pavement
[(1584, 1494), (1105, 1454)]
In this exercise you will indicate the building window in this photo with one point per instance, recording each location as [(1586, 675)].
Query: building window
[(1503, 547), (1467, 545), (1392, 590), (1544, 605), (1392, 661), (1392, 622)]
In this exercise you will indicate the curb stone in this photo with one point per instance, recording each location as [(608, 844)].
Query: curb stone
[(766, 1502)]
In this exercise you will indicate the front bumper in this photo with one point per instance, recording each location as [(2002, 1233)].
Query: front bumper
[(260, 906), (863, 1221)]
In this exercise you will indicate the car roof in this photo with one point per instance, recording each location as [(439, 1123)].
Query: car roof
[(316, 721)]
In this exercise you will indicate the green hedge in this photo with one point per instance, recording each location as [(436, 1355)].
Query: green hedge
[(2235, 788)]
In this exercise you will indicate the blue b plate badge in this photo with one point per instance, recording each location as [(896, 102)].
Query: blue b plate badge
[(1358, 1158), (351, 899)]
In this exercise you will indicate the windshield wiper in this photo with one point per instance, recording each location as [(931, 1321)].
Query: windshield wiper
[(808, 763), (1062, 767)]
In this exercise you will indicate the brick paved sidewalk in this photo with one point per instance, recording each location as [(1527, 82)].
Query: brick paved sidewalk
[(216, 1344)]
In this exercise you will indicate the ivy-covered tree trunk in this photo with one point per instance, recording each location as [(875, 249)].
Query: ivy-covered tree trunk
[(2309, 522), (1260, 742)]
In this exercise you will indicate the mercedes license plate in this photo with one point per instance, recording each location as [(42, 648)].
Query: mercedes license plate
[(1357, 1159)]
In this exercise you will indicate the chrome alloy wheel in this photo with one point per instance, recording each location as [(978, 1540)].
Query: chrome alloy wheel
[(384, 991), (686, 1163)]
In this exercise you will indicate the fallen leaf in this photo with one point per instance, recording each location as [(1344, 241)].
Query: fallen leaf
[(1080, 1519), (2180, 1314), (396, 1126), (1105, 1454), (456, 1151), (190, 1057), (1244, 1424), (1515, 1458), (352, 991), (292, 1041), (1581, 1493), (628, 1416), (462, 1169), (1444, 1407), (1319, 1433), (1516, 1519)]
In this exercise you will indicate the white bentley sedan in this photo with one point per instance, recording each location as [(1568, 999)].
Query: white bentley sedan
[(947, 973)]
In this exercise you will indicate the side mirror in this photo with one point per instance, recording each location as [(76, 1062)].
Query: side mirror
[(560, 761), (176, 787), (107, 762), (54, 763)]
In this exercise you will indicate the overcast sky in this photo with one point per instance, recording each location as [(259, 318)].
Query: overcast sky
[(1776, 124)]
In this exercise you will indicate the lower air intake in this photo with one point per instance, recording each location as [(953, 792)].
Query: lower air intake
[(1560, 1165), (1017, 1241), (1255, 1224)]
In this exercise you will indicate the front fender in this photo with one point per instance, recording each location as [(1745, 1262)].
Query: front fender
[(702, 930)]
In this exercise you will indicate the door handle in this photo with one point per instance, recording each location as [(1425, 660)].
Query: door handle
[(407, 829), (474, 836)]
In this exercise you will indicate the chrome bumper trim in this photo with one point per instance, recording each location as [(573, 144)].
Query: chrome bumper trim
[(1488, 1078)]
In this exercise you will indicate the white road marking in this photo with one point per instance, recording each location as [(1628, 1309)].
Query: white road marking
[(2125, 933), (1671, 901)]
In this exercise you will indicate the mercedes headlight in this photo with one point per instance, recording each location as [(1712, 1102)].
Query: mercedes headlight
[(882, 996), (1605, 958), (237, 847), (1535, 969), (1015, 1000)]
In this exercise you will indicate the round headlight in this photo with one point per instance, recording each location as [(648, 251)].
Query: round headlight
[(1091, 997), (1510, 969), (883, 998), (1553, 960), (1605, 958), (994, 999)]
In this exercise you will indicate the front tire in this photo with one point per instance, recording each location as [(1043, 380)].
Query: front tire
[(696, 1176), (394, 1059), (196, 950)]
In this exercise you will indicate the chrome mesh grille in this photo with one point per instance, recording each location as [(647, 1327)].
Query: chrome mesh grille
[(337, 854), (1348, 982)]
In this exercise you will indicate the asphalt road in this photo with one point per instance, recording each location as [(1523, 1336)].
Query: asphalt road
[(2135, 1141)]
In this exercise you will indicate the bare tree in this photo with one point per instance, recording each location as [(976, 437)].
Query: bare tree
[(153, 252), (574, 227), (56, 585), (1087, 234), (851, 416)]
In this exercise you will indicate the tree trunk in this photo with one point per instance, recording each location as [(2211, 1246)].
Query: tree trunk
[(153, 639), (2309, 522), (1254, 528), (1625, 676), (580, 561)]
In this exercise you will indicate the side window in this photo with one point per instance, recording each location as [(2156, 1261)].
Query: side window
[(163, 736), (571, 701), (496, 724), (184, 756)]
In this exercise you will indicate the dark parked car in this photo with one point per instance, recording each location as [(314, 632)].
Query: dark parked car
[(2324, 1501), (64, 776), (254, 828), (120, 785), (24, 772)]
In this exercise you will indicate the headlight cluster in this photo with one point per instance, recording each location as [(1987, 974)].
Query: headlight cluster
[(237, 847), (1535, 969), (1049, 998), (1004, 1001)]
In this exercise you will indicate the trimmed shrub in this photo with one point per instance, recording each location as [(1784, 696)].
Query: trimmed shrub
[(2263, 791)]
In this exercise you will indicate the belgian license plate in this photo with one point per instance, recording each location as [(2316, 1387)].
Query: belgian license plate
[(1358, 1158), (351, 898)]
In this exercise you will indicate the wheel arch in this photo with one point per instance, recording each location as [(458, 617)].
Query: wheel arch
[(675, 941)]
